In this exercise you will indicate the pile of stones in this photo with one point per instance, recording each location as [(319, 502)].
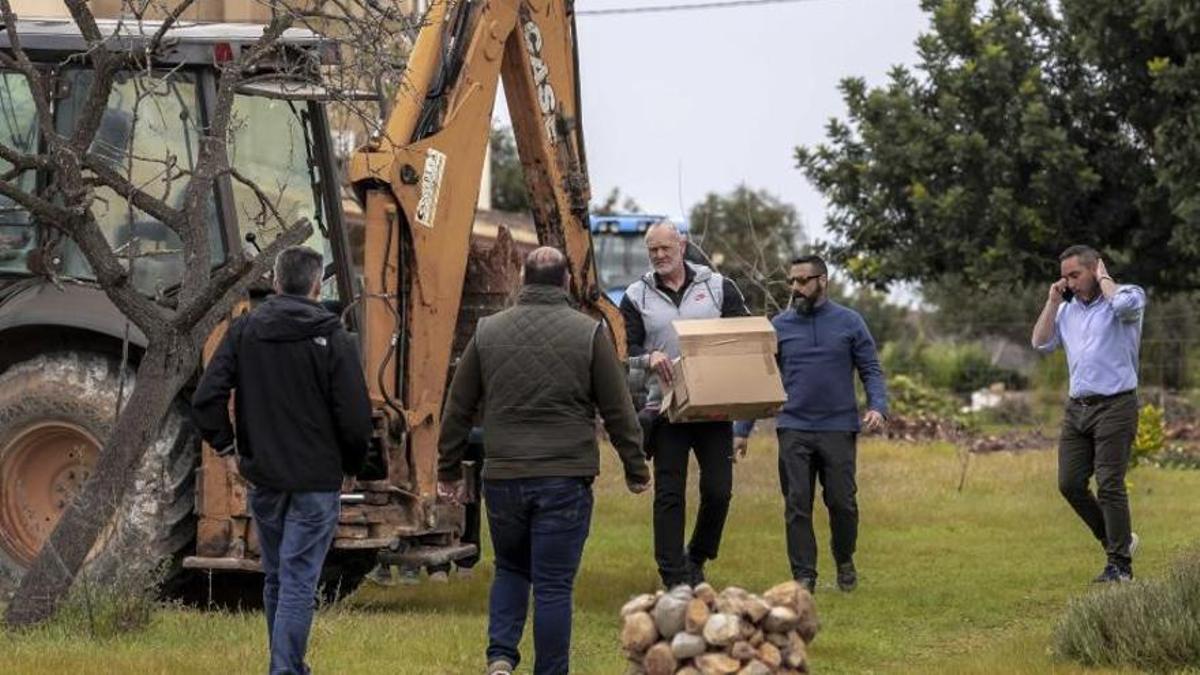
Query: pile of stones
[(698, 631)]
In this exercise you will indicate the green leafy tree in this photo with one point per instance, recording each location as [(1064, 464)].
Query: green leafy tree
[(752, 237), (962, 310), (1026, 127), (508, 179), (888, 322)]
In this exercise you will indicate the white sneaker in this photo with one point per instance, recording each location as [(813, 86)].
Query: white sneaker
[(1134, 541)]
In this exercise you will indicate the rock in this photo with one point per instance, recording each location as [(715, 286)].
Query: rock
[(686, 645), (770, 655), (717, 664), (809, 625), (797, 598), (638, 633), (742, 651), (706, 593), (687, 670), (748, 630), (781, 620), (797, 653), (756, 608), (736, 592), (732, 600), (683, 593), (696, 616), (757, 639), (727, 604), (785, 595), (659, 660), (722, 629), (669, 615), (755, 668), (778, 639), (641, 603)]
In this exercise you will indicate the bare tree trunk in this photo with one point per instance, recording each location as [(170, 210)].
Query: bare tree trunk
[(165, 368)]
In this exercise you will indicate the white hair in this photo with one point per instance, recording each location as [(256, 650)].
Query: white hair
[(665, 225)]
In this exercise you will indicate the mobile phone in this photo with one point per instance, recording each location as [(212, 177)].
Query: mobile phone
[(1067, 294)]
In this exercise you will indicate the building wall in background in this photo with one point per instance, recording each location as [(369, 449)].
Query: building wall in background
[(247, 11)]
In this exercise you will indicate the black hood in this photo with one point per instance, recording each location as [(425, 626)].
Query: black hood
[(288, 318)]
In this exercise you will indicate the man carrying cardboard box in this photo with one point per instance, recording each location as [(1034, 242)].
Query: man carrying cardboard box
[(675, 290), (821, 344)]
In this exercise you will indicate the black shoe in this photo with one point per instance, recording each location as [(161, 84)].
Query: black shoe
[(847, 576), (695, 572), (1114, 574), (809, 583)]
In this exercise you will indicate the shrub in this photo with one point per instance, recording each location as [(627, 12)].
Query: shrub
[(1151, 434), (1151, 625), (908, 396), (951, 366)]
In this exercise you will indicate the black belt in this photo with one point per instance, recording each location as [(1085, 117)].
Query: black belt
[(1086, 401)]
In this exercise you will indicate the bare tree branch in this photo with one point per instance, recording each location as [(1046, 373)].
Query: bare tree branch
[(39, 208), (263, 198), (157, 208), (171, 19), (22, 64), (231, 280), (22, 161)]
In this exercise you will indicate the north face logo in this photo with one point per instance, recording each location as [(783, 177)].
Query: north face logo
[(320, 341), (700, 296)]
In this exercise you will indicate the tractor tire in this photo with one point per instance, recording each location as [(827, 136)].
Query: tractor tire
[(55, 410)]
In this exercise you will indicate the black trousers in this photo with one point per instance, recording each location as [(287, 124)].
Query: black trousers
[(1096, 440), (804, 457), (713, 444)]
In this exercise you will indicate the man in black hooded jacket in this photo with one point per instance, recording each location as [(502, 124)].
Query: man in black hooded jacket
[(303, 421)]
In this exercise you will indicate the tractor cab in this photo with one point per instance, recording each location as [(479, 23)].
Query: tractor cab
[(278, 141)]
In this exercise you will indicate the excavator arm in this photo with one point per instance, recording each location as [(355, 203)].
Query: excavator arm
[(420, 181)]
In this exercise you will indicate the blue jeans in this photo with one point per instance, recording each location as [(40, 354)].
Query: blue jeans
[(295, 530), (538, 526)]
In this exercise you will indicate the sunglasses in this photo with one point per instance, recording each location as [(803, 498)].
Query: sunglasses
[(804, 280)]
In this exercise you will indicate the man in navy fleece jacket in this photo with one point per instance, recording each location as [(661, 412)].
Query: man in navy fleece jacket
[(821, 344)]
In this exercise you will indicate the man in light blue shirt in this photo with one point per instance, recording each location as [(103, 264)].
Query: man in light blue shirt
[(1099, 324)]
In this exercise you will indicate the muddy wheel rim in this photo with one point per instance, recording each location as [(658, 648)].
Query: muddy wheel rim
[(41, 469)]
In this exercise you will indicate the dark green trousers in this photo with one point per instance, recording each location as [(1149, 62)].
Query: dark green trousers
[(1096, 440)]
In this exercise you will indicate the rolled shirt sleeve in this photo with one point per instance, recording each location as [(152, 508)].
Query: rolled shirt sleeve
[(1129, 303)]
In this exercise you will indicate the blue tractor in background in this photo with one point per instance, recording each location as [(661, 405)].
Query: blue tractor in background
[(621, 259)]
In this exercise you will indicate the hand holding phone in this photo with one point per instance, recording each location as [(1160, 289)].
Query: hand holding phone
[(1060, 292)]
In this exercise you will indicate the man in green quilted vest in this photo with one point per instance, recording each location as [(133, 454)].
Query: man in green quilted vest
[(540, 372)]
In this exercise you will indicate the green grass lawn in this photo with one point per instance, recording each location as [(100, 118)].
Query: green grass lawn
[(949, 582)]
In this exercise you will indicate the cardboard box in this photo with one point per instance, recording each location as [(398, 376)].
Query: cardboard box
[(726, 371)]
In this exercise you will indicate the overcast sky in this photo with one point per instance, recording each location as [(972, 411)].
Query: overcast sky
[(722, 96)]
